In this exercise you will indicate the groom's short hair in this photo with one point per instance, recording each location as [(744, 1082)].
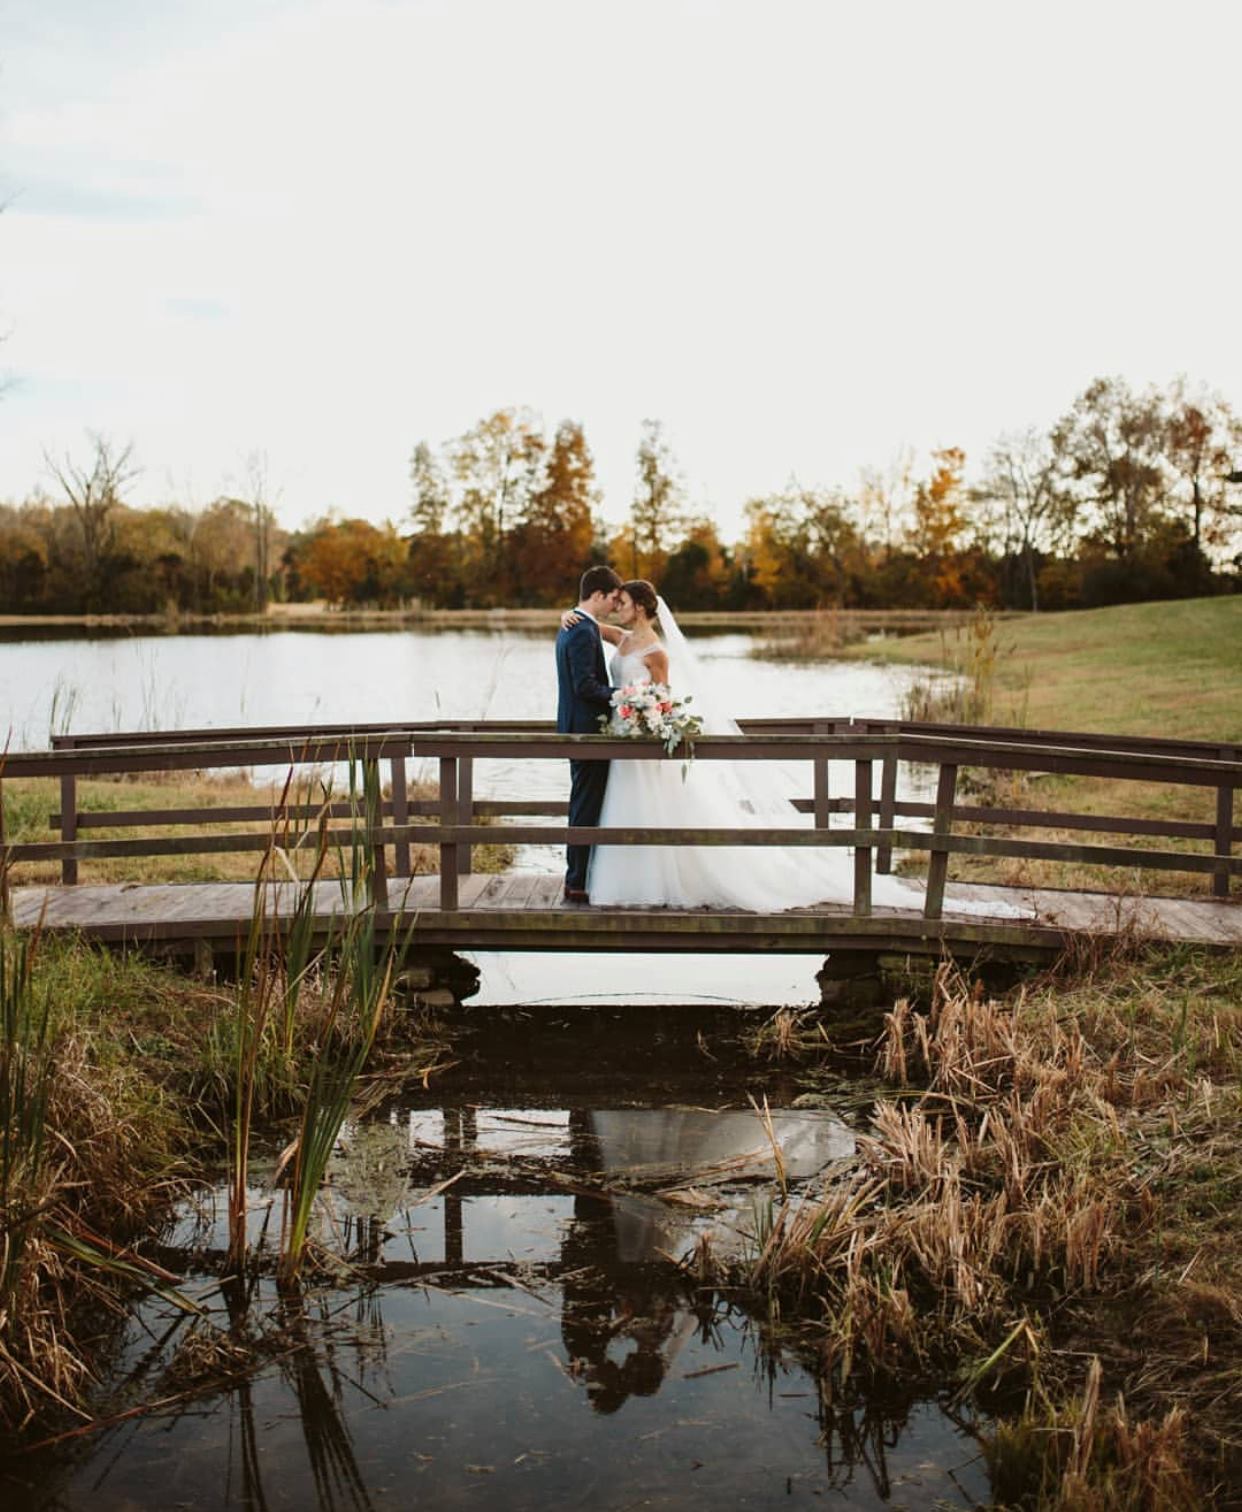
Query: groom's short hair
[(598, 580)]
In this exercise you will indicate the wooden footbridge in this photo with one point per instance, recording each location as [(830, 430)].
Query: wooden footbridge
[(376, 824)]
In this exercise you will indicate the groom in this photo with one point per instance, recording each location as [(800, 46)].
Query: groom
[(583, 695)]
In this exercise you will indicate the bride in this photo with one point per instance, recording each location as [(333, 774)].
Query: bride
[(710, 795)]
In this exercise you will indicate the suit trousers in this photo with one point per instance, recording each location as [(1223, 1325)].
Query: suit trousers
[(587, 781)]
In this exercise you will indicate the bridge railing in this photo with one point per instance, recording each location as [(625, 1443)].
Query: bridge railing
[(453, 813), (1221, 833)]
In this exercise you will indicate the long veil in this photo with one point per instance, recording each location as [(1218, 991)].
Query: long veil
[(761, 788)]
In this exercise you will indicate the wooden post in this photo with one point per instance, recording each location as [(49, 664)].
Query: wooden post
[(448, 816), (377, 878), (819, 769), (888, 804), (400, 816), (1224, 830), (465, 811), (69, 825), (942, 823), (862, 853)]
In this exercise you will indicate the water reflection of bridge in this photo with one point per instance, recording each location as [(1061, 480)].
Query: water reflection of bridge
[(608, 1162)]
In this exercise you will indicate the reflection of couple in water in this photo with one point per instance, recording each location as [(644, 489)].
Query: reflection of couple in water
[(624, 1314), (601, 1316)]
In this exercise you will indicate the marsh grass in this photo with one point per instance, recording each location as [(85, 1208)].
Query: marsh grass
[(812, 637), (966, 690), (119, 1077), (90, 1153), (1056, 1180)]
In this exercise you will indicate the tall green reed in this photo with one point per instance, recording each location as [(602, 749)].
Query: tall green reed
[(274, 966), (359, 991), (334, 966)]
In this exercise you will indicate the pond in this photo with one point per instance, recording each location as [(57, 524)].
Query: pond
[(516, 1319)]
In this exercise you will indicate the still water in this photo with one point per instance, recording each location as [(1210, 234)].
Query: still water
[(151, 682), (514, 1330)]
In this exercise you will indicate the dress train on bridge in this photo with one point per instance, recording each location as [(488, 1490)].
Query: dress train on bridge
[(721, 795), (760, 879)]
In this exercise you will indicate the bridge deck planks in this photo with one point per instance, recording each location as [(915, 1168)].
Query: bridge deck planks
[(525, 910)]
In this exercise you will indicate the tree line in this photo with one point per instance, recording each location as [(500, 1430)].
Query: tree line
[(1130, 495)]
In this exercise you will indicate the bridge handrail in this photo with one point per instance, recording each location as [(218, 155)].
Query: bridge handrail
[(828, 724)]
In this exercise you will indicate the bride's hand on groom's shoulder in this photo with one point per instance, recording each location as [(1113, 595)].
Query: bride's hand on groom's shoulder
[(569, 619)]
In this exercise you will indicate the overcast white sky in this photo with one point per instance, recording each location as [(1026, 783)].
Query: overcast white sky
[(803, 235)]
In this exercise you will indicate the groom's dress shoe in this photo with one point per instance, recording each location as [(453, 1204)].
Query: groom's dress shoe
[(577, 895)]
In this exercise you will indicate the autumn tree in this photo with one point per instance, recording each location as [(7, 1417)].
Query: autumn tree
[(802, 548), (553, 541), (353, 561), (1113, 444), (1203, 436), (885, 500), (1025, 480), (938, 525), (498, 465), (221, 548), (25, 557), (434, 568), (258, 502), (94, 493), (698, 573), (658, 502)]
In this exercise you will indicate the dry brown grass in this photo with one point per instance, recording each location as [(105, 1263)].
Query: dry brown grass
[(1057, 1182), (104, 1161)]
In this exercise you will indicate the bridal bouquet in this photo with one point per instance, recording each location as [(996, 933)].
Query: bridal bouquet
[(648, 711)]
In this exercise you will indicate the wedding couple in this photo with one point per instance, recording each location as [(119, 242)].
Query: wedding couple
[(648, 646)]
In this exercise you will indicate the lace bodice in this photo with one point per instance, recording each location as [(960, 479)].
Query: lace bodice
[(631, 667)]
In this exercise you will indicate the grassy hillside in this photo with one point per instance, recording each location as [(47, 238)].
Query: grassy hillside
[(1170, 669), (1167, 668)]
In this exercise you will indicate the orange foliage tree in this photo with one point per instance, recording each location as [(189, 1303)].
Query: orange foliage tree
[(353, 561)]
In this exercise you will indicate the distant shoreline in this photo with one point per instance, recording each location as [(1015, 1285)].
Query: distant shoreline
[(318, 615)]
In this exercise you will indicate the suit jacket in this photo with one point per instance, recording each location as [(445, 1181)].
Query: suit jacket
[(584, 692)]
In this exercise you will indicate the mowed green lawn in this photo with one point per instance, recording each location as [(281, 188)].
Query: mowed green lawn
[(1167, 669), (1172, 669)]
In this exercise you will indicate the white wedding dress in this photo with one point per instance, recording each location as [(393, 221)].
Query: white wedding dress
[(721, 795)]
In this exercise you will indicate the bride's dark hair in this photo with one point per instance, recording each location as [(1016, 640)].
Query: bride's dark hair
[(644, 595)]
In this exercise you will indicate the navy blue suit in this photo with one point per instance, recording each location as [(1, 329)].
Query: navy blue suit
[(584, 693)]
